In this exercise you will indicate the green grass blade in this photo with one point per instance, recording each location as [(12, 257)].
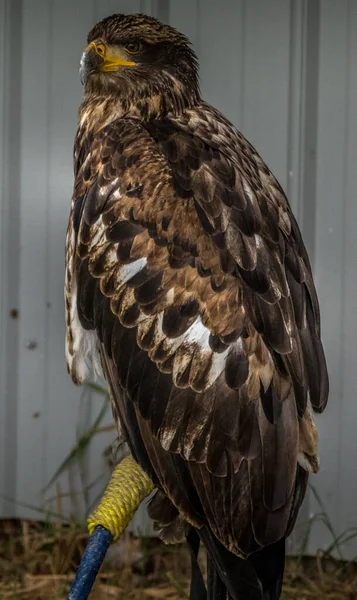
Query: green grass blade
[(78, 450)]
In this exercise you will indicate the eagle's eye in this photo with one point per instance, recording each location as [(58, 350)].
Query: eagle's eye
[(132, 47)]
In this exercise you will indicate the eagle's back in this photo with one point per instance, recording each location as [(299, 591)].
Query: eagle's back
[(187, 275)]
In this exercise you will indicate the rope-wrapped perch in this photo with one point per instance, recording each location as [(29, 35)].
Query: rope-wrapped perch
[(129, 485)]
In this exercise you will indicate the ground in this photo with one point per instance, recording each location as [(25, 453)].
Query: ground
[(38, 560)]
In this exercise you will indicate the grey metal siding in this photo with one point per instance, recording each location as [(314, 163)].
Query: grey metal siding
[(335, 258), (10, 23), (284, 72)]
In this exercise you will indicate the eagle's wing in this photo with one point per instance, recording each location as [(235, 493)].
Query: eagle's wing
[(186, 269)]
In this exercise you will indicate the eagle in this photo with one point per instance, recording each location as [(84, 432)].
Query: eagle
[(189, 287)]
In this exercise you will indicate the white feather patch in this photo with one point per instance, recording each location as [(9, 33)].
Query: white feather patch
[(217, 366), (308, 441), (128, 271), (198, 332), (194, 348), (98, 233), (248, 190), (84, 362)]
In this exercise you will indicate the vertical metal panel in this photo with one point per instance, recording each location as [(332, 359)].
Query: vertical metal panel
[(303, 195), (347, 483), (33, 233), (221, 50), (266, 80), (4, 66), (335, 261), (10, 84), (184, 16), (104, 8)]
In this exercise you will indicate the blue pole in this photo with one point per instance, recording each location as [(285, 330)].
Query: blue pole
[(91, 562)]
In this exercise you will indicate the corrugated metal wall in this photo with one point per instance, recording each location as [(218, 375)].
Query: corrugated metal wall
[(285, 73)]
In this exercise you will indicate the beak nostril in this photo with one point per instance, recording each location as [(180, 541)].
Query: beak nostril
[(100, 49)]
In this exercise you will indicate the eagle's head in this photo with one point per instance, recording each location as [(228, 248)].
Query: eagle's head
[(142, 62)]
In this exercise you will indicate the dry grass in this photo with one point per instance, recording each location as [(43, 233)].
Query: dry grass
[(38, 561)]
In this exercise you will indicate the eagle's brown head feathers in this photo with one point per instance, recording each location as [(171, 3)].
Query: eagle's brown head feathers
[(141, 63)]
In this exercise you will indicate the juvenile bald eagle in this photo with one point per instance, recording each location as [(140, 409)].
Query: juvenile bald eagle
[(187, 280)]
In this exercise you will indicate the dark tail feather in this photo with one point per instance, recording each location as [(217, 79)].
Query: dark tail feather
[(257, 578), (198, 588), (269, 565), (216, 590), (237, 574)]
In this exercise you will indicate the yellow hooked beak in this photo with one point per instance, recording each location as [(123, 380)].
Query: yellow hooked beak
[(112, 57)]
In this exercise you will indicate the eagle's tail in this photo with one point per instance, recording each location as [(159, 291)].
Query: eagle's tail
[(259, 577), (269, 566)]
